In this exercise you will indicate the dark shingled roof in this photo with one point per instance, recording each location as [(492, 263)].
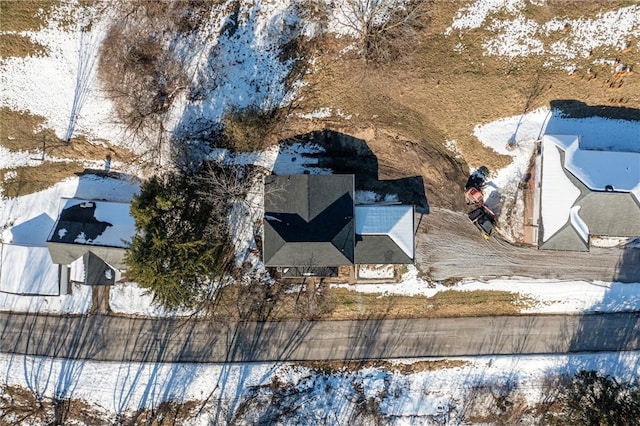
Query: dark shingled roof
[(375, 249), (77, 219), (95, 270), (309, 220), (611, 214)]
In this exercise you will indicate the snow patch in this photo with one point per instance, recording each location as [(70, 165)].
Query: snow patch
[(61, 85), (78, 302), (130, 299), (376, 271), (442, 393), (27, 270), (510, 34), (578, 224)]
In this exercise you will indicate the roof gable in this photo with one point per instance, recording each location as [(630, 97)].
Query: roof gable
[(309, 220), (396, 222), (599, 169)]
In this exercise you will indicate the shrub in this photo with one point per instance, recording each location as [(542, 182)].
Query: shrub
[(247, 129), (592, 399)]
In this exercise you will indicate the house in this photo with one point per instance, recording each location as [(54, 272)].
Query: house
[(586, 196), (88, 241), (312, 227)]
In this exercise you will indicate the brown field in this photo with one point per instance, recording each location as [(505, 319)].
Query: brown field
[(22, 131), (437, 93), (25, 15), (27, 180)]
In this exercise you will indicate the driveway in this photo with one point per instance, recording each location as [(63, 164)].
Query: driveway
[(449, 246)]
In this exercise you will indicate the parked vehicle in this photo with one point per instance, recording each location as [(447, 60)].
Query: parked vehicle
[(480, 215), (484, 219)]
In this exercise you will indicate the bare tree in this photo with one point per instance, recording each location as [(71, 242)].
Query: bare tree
[(224, 185), (140, 68), (386, 29)]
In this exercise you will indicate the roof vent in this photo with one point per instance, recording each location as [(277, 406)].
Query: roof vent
[(608, 188)]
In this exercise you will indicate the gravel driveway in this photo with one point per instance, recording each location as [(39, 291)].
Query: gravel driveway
[(449, 246)]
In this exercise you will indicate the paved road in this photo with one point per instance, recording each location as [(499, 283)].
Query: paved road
[(112, 338), (449, 246)]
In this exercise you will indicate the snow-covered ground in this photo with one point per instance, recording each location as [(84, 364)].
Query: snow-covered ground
[(220, 390), (562, 40), (68, 94)]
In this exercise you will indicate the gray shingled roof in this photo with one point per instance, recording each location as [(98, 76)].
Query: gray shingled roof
[(611, 214), (377, 249), (309, 220), (608, 214), (95, 270)]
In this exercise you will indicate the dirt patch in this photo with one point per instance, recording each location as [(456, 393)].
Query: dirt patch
[(19, 405), (444, 89), (333, 367)]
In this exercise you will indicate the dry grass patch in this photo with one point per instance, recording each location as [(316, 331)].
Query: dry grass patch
[(332, 367), (16, 45), (23, 131), (571, 9), (282, 302), (27, 180), (353, 305), (448, 86), (25, 15)]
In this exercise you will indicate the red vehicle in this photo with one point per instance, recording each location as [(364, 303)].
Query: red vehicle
[(481, 215), (474, 196)]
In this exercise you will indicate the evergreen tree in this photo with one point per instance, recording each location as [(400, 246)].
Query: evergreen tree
[(181, 245)]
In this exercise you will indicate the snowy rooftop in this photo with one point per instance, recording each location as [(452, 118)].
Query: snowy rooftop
[(27, 270), (396, 222), (599, 169), (97, 223), (561, 197)]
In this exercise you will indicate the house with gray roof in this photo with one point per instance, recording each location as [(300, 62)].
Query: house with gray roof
[(587, 195), (89, 241), (312, 227)]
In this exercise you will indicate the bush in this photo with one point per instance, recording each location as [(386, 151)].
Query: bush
[(592, 399), (181, 246), (385, 30), (247, 129)]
